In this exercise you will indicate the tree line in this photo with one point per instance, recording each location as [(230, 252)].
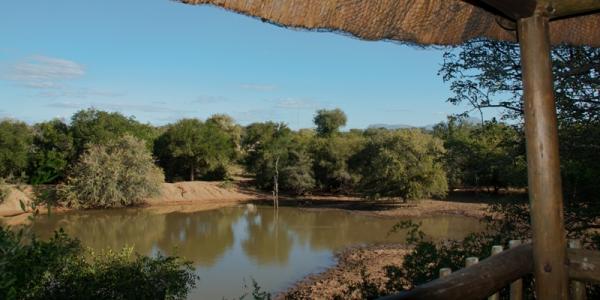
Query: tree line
[(96, 151)]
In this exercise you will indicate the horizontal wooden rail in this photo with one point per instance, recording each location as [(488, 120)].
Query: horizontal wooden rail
[(584, 265), (483, 279), (477, 281)]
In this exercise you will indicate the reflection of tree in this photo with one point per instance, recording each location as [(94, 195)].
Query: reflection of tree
[(202, 237), (112, 229), (326, 230), (269, 241)]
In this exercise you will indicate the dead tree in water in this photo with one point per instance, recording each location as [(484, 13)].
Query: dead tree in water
[(276, 184)]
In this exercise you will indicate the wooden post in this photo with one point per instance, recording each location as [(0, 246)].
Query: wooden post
[(478, 281), (543, 163), (471, 261), (445, 272), (516, 288), (496, 250), (577, 287)]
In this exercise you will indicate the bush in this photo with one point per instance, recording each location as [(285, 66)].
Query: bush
[(4, 190), (402, 163), (61, 269), (15, 144), (120, 173)]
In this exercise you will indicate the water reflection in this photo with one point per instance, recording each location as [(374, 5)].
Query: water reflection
[(230, 244), (269, 241), (202, 238)]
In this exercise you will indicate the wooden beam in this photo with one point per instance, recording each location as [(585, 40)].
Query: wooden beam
[(517, 9), (514, 9), (477, 281), (543, 162), (567, 8), (584, 265)]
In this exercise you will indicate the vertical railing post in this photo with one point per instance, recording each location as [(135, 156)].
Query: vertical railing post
[(471, 261), (516, 288), (445, 272), (543, 163), (496, 250), (577, 287)]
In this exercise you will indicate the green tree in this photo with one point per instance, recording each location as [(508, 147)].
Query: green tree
[(482, 155), (487, 74), (401, 163), (15, 145), (119, 173), (92, 126), (227, 124), (200, 148), (53, 151), (329, 121), (273, 151), (331, 155)]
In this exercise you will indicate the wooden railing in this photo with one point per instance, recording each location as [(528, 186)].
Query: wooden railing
[(481, 280)]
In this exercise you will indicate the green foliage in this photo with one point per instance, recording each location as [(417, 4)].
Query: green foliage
[(61, 269), (255, 293), (482, 155), (487, 74), (228, 125), (15, 144), (120, 173), (4, 190), (403, 163), (97, 127), (329, 121), (272, 147), (53, 150), (200, 148), (331, 156)]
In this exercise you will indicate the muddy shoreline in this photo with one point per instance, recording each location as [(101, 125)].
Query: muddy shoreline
[(352, 264), (199, 196)]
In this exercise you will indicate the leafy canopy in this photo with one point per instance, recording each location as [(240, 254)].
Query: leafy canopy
[(119, 173), (329, 121)]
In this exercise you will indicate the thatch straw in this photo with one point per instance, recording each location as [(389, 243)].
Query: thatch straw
[(425, 22)]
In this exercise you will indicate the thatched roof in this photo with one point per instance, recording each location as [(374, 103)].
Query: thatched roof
[(426, 22)]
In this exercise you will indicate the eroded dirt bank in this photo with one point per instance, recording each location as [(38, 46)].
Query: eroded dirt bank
[(202, 195), (353, 264)]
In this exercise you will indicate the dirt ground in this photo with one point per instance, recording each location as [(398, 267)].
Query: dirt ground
[(202, 195), (337, 281)]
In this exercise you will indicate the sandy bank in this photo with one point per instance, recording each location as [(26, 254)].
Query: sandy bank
[(338, 281), (181, 196), (202, 195)]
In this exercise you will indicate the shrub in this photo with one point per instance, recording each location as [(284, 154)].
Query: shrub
[(4, 190), (15, 143), (61, 269), (402, 163), (120, 173)]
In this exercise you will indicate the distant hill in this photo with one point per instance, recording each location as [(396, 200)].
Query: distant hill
[(426, 127), (400, 126)]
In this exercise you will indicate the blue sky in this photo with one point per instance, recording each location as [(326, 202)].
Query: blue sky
[(161, 61)]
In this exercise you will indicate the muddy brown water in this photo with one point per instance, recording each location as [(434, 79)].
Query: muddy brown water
[(231, 245)]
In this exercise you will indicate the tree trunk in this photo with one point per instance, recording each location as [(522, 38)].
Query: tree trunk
[(276, 184), (192, 167)]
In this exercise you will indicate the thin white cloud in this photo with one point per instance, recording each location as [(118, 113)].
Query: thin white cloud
[(43, 72), (256, 115), (258, 87), (121, 107), (79, 93), (205, 99), (296, 103)]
